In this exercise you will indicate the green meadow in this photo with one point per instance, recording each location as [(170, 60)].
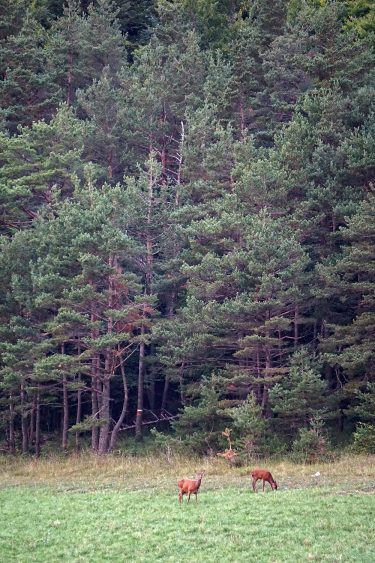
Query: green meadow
[(117, 509)]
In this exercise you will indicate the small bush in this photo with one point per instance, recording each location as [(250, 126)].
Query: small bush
[(364, 439), (312, 444)]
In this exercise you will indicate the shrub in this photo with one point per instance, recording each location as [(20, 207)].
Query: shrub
[(364, 438), (312, 443), (249, 428)]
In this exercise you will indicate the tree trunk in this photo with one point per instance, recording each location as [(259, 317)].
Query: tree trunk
[(95, 368), (268, 367), (37, 424), (24, 429), (117, 426), (64, 440), (242, 118), (180, 159), (296, 312), (108, 364), (12, 414), (141, 375), (32, 422), (151, 391), (181, 380), (94, 407), (165, 393), (79, 412), (65, 421), (69, 80), (104, 415)]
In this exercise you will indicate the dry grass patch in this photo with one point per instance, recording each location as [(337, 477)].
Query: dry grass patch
[(89, 471)]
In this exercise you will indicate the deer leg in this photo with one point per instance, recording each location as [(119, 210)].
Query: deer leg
[(196, 497), (189, 496), (263, 485), (254, 485)]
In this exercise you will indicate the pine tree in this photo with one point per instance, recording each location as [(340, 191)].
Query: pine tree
[(351, 280), (300, 394), (27, 90), (106, 138), (81, 46), (37, 165)]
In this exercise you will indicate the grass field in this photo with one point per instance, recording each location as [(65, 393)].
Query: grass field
[(120, 509)]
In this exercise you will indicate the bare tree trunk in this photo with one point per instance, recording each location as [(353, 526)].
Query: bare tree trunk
[(79, 412), (12, 414), (151, 390), (242, 118), (315, 333), (110, 165), (148, 284), (296, 313), (170, 314), (264, 398), (268, 366), (141, 375), (164, 173), (94, 406), (180, 159), (104, 413), (24, 429), (95, 368), (181, 380), (69, 80), (65, 421), (151, 383), (32, 422), (165, 393), (108, 367), (37, 424), (117, 426)]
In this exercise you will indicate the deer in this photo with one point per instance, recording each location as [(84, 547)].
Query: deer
[(265, 476), (189, 487)]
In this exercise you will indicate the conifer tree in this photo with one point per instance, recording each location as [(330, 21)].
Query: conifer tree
[(80, 46), (37, 165), (351, 280), (27, 91), (300, 394)]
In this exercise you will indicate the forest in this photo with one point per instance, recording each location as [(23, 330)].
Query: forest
[(187, 225)]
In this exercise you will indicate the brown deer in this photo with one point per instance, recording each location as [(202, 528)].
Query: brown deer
[(189, 487), (265, 476)]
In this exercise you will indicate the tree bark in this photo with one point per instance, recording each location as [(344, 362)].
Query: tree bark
[(296, 336), (124, 410), (165, 393), (12, 414), (37, 424), (104, 415), (79, 412), (108, 367), (181, 380), (24, 429), (65, 421), (94, 406), (95, 366), (141, 375), (32, 422)]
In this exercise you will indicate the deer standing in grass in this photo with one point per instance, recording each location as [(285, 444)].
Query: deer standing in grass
[(265, 476), (189, 487)]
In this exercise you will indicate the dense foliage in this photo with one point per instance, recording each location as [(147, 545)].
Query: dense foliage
[(187, 221)]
